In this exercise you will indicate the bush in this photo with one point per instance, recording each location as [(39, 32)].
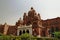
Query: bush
[(57, 34), (25, 36), (19, 38), (5, 37)]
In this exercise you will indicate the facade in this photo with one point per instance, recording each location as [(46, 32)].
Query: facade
[(32, 24), (32, 19), (24, 29), (8, 29), (51, 25)]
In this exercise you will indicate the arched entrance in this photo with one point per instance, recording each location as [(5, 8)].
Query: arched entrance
[(23, 31), (27, 31), (20, 32)]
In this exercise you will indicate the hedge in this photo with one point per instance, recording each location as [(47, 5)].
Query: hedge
[(19, 38), (25, 37)]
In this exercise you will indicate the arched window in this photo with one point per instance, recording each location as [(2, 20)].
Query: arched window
[(20, 32), (23, 31), (27, 31)]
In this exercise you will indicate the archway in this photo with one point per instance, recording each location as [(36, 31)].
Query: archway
[(27, 31), (23, 31), (20, 32)]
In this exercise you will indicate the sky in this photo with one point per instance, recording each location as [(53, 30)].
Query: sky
[(12, 10)]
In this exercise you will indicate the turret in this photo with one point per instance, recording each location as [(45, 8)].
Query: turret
[(39, 16), (5, 28), (24, 16), (24, 19), (19, 22)]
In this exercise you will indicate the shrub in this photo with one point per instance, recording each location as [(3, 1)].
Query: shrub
[(25, 36), (57, 34)]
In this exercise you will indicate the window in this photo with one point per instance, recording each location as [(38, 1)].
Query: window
[(20, 32), (23, 31), (27, 31), (51, 30)]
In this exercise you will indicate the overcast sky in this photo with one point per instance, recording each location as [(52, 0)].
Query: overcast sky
[(12, 10)]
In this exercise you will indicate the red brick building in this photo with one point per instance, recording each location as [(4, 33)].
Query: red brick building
[(51, 25), (39, 27)]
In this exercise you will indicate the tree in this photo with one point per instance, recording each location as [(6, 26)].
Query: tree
[(26, 36), (57, 34)]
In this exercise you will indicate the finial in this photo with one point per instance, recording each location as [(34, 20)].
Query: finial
[(5, 23), (24, 13), (38, 14), (20, 18), (31, 8)]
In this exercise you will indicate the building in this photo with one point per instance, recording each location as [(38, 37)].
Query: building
[(32, 24)]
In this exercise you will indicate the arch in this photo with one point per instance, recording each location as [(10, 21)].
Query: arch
[(20, 32), (27, 31), (23, 31)]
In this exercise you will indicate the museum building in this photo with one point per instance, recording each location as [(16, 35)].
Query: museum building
[(32, 24)]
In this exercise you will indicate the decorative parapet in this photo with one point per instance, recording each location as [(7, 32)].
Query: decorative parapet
[(24, 26)]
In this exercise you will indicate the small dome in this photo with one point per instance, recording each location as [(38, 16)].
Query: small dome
[(32, 9)]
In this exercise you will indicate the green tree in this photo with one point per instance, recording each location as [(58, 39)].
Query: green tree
[(27, 36), (57, 34)]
